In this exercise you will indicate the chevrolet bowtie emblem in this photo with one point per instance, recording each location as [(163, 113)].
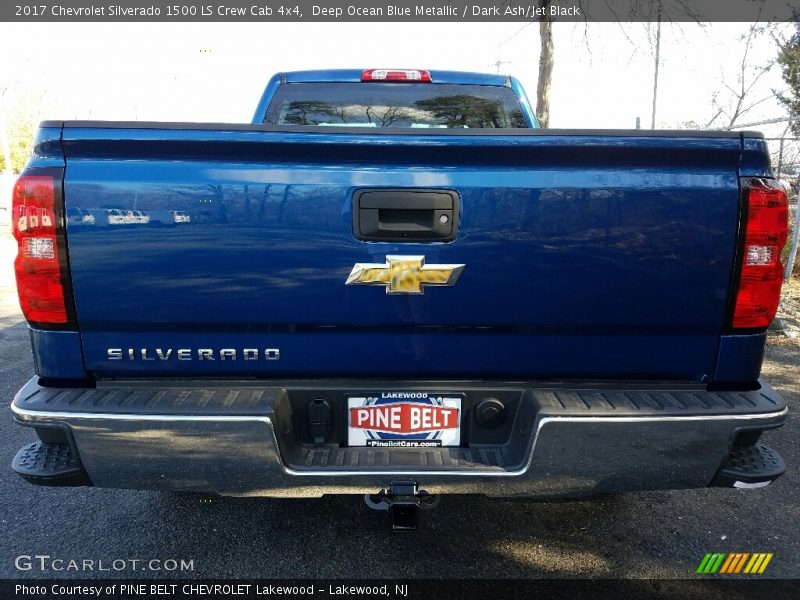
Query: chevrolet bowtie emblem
[(404, 274)]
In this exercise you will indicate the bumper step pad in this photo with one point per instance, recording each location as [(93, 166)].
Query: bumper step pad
[(49, 464), (750, 467)]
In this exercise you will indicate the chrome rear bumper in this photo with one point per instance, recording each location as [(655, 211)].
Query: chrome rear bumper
[(566, 451)]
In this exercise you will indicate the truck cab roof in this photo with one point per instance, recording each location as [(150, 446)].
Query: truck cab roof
[(354, 75)]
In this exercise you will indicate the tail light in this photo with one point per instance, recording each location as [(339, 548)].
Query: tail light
[(40, 264), (761, 274), (408, 75)]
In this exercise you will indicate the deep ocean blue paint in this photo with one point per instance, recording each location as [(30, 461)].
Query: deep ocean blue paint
[(585, 255)]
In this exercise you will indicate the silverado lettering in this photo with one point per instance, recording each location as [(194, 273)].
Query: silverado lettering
[(190, 354)]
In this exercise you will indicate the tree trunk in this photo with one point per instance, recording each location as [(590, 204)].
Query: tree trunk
[(545, 71)]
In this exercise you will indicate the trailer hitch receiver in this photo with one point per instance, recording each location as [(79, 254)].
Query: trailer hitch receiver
[(403, 500)]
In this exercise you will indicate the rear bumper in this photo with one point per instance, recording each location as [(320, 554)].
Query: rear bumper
[(240, 438)]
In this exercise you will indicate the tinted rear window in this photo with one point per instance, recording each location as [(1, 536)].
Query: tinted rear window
[(395, 105)]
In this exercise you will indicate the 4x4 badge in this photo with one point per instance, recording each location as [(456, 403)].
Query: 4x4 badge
[(404, 274)]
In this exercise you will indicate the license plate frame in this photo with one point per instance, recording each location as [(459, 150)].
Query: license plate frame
[(404, 419)]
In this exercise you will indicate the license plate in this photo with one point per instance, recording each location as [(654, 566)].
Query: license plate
[(404, 420)]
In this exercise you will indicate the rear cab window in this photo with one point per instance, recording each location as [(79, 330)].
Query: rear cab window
[(406, 105)]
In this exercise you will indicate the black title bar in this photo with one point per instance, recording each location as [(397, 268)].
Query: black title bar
[(352, 11), (698, 588)]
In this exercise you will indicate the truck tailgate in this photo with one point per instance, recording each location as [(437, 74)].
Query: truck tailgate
[(585, 255)]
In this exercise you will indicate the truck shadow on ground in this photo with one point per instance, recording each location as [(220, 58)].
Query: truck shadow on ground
[(649, 534), (467, 536)]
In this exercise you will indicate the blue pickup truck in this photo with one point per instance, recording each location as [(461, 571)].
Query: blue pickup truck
[(393, 283)]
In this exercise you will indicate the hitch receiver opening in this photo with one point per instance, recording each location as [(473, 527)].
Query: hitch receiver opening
[(403, 500)]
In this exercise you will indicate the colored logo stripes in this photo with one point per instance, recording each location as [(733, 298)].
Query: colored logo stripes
[(733, 563)]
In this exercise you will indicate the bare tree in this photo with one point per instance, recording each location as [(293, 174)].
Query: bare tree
[(394, 114), (737, 98), (646, 11), (546, 63)]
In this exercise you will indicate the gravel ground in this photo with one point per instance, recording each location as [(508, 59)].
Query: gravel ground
[(789, 313), (653, 534)]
